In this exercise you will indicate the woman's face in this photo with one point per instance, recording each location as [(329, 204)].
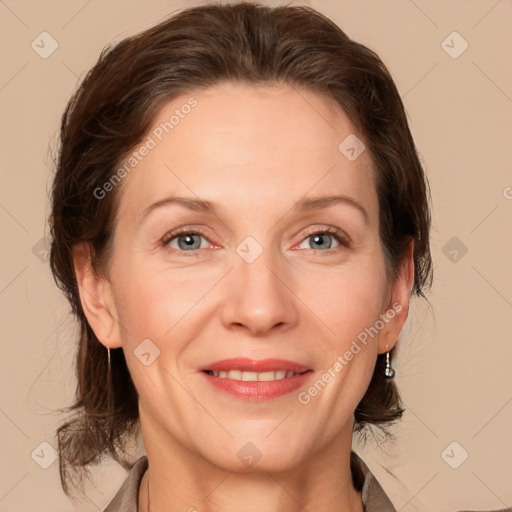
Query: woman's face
[(264, 269)]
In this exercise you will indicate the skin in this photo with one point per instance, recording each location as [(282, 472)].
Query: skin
[(254, 152)]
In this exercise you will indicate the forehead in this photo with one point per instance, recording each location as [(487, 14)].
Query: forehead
[(238, 141)]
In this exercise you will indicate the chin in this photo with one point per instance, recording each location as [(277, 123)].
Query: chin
[(246, 454)]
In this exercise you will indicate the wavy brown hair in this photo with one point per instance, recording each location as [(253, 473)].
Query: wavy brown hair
[(113, 109)]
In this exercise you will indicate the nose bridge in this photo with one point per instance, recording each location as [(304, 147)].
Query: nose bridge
[(259, 299), (259, 275)]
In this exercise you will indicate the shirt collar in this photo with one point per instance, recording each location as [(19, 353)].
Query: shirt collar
[(373, 496)]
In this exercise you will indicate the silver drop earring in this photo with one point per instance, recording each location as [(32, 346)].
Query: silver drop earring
[(389, 373)]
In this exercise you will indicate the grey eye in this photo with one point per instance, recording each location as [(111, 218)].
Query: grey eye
[(186, 241), (321, 240)]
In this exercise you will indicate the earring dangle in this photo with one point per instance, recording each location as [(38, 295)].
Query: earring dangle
[(389, 373), (108, 358)]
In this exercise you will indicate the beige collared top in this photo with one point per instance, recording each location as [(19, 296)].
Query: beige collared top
[(126, 499)]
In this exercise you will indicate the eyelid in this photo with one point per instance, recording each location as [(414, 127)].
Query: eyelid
[(341, 237), (184, 230)]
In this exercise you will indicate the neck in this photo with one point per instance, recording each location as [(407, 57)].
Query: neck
[(178, 479)]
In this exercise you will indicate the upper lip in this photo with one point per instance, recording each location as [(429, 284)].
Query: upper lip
[(251, 365)]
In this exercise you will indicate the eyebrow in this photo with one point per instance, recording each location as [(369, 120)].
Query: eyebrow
[(316, 203), (306, 203)]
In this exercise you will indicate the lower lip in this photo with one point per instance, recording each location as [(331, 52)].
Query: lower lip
[(258, 390)]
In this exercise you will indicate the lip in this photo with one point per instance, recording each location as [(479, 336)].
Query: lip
[(257, 391), (251, 365)]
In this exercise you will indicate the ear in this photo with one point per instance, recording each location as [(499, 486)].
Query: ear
[(398, 306), (96, 298)]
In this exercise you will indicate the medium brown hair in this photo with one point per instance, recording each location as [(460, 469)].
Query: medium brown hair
[(113, 109)]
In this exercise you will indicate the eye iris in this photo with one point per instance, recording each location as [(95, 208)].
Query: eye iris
[(319, 238), (189, 242)]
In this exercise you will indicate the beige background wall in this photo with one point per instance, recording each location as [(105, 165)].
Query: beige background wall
[(454, 365)]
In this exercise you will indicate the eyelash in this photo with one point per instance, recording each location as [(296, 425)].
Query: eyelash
[(335, 233)]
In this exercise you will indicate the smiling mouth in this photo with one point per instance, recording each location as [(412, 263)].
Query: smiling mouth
[(253, 376), (256, 380)]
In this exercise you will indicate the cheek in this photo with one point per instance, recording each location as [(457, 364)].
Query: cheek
[(161, 304), (150, 306), (348, 299), (349, 302)]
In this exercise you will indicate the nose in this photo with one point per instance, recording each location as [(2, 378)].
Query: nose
[(260, 296)]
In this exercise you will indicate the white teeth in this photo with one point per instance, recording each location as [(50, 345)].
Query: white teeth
[(249, 376), (266, 376), (234, 374), (252, 376)]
